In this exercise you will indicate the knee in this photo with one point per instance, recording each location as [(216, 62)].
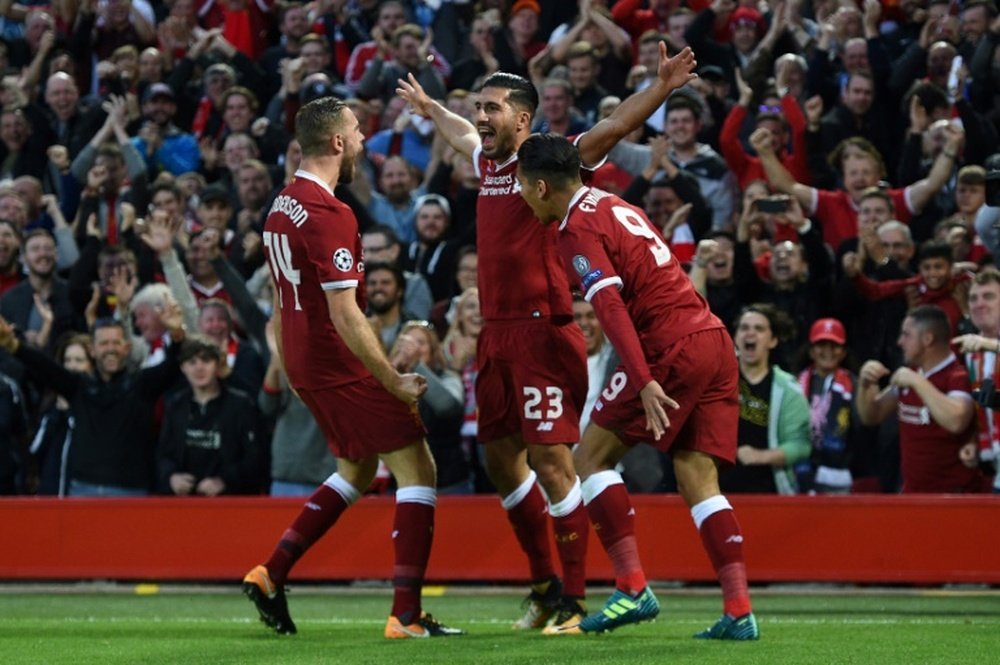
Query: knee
[(554, 466)]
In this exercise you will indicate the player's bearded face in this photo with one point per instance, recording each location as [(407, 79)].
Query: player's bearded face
[(348, 164)]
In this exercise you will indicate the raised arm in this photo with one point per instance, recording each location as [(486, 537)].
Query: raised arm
[(922, 191), (672, 73), (779, 177), (353, 328), (459, 132)]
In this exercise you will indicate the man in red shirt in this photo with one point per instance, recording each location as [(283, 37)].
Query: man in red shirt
[(931, 397), (861, 167), (336, 365), (530, 393), (669, 343)]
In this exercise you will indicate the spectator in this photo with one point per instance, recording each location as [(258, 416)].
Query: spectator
[(556, 115), (54, 436), (391, 16), (829, 389), (980, 351), (40, 305), (244, 367), (932, 400), (385, 287), (934, 285), (209, 441), (774, 416), (713, 275), (517, 43), (481, 63), (13, 423), (10, 255), (380, 245), (164, 146), (459, 348), (861, 167), (113, 440), (73, 123), (395, 205), (22, 152), (432, 254), (417, 349), (789, 121), (411, 51)]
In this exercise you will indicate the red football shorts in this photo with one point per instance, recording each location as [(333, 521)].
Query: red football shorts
[(532, 381), (362, 419), (701, 374)]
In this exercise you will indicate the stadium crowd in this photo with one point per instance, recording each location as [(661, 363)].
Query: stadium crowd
[(831, 180)]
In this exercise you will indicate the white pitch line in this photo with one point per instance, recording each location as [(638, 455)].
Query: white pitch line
[(873, 621)]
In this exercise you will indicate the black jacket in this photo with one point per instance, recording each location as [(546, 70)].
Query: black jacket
[(113, 439), (219, 439)]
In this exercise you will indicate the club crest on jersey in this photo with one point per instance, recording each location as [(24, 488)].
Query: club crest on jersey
[(343, 259), (581, 265)]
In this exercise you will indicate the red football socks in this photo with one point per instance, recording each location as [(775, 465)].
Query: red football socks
[(614, 521), (412, 535), (320, 512), (723, 541), (571, 533), (528, 519)]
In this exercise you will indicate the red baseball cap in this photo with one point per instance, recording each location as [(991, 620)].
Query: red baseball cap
[(829, 330)]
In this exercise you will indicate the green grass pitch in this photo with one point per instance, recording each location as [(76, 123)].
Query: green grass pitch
[(340, 625)]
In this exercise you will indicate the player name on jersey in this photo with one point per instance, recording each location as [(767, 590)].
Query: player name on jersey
[(286, 204)]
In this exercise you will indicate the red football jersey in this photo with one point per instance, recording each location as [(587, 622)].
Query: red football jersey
[(928, 452), (312, 245), (519, 273), (604, 242)]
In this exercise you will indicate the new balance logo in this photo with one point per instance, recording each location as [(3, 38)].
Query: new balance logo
[(313, 506), (631, 511), (544, 427), (735, 539), (395, 532)]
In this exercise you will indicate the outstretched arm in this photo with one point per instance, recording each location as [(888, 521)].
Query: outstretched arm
[(672, 73), (777, 174), (459, 132)]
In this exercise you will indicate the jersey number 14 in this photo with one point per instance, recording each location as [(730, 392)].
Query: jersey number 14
[(280, 254)]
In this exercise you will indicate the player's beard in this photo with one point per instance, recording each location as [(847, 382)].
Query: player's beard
[(503, 145), (347, 167)]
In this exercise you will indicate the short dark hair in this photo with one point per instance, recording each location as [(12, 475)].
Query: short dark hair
[(680, 101), (36, 233), (385, 231), (199, 346), (878, 193), (782, 325), (396, 271), (108, 322), (521, 92), (935, 249), (550, 156), (932, 319), (316, 123), (932, 97)]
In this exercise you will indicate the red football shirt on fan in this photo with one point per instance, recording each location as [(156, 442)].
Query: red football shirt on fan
[(837, 214), (928, 452), (605, 242), (312, 245)]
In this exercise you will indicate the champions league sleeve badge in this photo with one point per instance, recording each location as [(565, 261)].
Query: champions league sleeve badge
[(581, 265), (343, 260)]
